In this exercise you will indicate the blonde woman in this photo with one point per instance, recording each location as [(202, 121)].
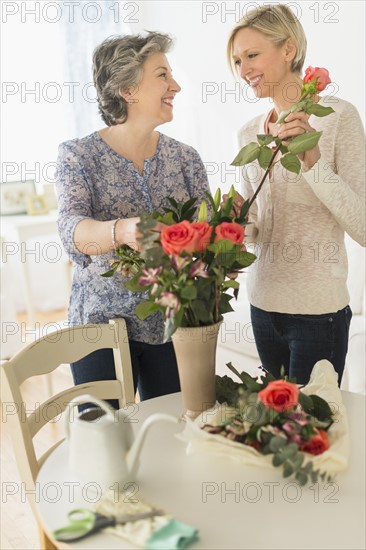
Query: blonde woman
[(105, 181), (297, 287)]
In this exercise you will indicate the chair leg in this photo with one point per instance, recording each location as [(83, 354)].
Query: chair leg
[(46, 544)]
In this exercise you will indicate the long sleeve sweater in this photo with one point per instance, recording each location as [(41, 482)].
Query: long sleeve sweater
[(298, 221)]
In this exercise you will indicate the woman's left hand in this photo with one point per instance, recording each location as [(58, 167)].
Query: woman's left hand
[(297, 124)]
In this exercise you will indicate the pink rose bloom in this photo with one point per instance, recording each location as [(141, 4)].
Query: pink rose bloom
[(321, 74), (204, 231), (230, 230), (280, 395), (178, 237)]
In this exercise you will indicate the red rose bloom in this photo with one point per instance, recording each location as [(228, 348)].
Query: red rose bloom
[(317, 444), (178, 237), (232, 231), (280, 395), (320, 73), (204, 231)]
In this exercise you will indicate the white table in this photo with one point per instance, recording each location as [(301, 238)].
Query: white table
[(232, 506)]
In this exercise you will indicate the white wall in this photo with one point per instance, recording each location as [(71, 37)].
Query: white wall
[(336, 40), (33, 53)]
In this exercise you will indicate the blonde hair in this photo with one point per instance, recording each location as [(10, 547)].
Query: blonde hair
[(118, 65), (278, 23)]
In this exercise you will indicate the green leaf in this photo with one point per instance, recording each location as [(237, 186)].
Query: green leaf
[(221, 246), (306, 403), (265, 157), (291, 163), (288, 469), (144, 309), (226, 390), (224, 305), (321, 408), (110, 273), (189, 292), (318, 110), (297, 460), (187, 205), (277, 443), (264, 139), (245, 258), (168, 218), (303, 143), (278, 459), (247, 154), (302, 478), (231, 284), (202, 311), (173, 202)]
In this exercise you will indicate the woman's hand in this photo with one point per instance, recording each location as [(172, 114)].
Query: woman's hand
[(126, 232), (297, 124), (237, 204)]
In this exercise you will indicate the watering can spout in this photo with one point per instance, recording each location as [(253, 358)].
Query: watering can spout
[(133, 455)]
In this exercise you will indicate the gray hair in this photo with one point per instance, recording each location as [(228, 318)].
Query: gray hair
[(278, 23), (118, 65)]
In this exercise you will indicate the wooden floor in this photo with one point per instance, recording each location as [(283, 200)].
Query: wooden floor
[(18, 527)]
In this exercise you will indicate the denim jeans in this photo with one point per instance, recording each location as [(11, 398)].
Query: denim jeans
[(154, 369), (298, 341)]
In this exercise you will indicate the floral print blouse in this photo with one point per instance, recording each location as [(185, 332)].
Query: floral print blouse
[(94, 181)]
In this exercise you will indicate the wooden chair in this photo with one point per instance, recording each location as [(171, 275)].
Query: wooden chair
[(42, 357)]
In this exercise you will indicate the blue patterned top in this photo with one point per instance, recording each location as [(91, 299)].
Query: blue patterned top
[(93, 181)]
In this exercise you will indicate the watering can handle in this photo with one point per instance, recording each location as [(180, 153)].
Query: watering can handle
[(86, 398)]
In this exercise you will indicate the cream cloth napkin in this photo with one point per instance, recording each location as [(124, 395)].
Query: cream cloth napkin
[(323, 382), (159, 532)]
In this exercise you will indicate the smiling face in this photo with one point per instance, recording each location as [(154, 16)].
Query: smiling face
[(265, 66), (154, 95)]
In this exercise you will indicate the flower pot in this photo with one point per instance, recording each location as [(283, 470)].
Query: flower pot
[(195, 350)]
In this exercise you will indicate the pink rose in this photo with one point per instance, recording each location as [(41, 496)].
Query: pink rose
[(230, 230), (204, 231), (178, 237), (321, 74), (317, 444), (280, 395)]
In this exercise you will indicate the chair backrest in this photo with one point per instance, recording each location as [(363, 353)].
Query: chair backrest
[(44, 356)]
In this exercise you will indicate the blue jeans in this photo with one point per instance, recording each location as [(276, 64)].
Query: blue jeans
[(154, 369), (299, 341)]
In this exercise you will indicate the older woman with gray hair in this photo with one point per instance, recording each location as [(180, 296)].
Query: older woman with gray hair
[(106, 180)]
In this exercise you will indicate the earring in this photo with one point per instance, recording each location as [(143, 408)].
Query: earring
[(129, 101)]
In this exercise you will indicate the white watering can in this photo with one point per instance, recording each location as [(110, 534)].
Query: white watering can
[(102, 448)]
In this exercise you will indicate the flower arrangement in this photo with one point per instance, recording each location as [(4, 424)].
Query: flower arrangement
[(315, 80), (274, 417), (188, 268)]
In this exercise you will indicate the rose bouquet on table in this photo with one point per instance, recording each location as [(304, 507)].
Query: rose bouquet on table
[(186, 267), (315, 80), (274, 417)]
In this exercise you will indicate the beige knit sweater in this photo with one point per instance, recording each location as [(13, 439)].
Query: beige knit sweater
[(299, 220)]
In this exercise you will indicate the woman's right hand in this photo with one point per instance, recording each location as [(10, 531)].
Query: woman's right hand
[(237, 204), (126, 232)]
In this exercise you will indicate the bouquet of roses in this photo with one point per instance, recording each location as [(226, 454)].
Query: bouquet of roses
[(315, 80), (187, 267), (276, 418)]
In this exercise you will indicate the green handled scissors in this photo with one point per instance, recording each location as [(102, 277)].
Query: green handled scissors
[(85, 522)]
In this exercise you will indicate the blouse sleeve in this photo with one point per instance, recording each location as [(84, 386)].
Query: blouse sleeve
[(341, 187), (74, 199), (196, 177)]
